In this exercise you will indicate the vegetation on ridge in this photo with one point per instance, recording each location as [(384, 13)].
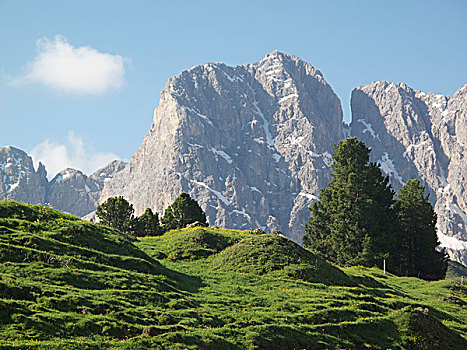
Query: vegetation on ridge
[(117, 213), (71, 284)]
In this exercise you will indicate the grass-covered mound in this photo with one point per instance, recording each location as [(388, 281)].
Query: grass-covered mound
[(277, 256), (192, 243), (33, 233), (68, 284)]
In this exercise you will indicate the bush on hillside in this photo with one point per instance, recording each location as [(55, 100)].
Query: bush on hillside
[(183, 211)]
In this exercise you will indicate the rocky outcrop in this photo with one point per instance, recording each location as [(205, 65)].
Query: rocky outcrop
[(251, 143), (73, 192), (420, 135), (18, 178), (70, 190), (106, 173)]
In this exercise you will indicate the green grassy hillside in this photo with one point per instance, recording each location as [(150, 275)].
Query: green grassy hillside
[(70, 284)]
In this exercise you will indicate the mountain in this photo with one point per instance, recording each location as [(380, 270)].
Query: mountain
[(250, 143), (420, 135), (70, 190)]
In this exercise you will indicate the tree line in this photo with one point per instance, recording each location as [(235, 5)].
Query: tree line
[(358, 219), (118, 213)]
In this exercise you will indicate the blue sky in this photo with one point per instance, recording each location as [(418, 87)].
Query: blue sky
[(69, 116)]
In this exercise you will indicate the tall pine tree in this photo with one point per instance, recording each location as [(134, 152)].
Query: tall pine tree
[(353, 222), (418, 239)]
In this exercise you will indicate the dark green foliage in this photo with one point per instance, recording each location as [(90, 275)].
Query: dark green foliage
[(148, 224), (183, 211), (352, 223), (417, 238), (117, 213)]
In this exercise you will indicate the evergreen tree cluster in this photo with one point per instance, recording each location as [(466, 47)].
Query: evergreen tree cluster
[(118, 213), (359, 221)]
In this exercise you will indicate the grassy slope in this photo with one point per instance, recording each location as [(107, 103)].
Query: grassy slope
[(69, 284)]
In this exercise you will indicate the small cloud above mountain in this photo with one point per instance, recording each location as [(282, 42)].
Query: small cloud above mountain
[(73, 154), (75, 70)]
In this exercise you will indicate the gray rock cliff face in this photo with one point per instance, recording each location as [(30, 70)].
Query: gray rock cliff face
[(420, 135), (73, 192), (251, 143)]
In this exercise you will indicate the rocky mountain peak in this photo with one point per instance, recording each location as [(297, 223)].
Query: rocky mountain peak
[(276, 63), (67, 174), (74, 192), (251, 143), (106, 173), (41, 170)]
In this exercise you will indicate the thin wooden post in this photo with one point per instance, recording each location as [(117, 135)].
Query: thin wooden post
[(384, 266)]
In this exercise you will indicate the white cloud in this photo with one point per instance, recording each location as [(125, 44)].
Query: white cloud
[(75, 70), (74, 154)]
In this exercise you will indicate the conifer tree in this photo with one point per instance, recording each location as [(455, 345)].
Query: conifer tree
[(148, 224), (116, 212), (418, 239), (183, 211), (353, 222)]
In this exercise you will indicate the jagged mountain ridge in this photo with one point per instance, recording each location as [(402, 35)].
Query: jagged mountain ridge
[(420, 135), (251, 143), (70, 190)]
